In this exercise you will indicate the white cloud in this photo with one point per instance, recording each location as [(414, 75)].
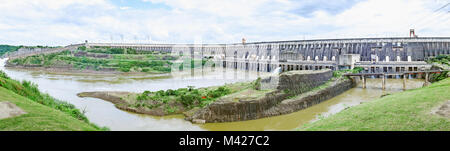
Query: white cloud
[(55, 22), (124, 8)]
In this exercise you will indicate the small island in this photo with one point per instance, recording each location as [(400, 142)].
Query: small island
[(179, 101)]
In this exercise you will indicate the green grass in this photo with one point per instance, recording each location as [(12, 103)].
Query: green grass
[(405, 111)]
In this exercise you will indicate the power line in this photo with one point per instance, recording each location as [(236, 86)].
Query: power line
[(436, 22), (442, 7), (426, 20), (431, 20)]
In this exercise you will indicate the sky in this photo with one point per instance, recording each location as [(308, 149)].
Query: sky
[(64, 22)]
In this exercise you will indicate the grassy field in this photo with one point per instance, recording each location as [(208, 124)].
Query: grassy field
[(405, 111), (38, 117)]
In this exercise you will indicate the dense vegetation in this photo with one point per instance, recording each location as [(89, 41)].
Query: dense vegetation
[(188, 97), (406, 111), (441, 59), (31, 92), (441, 62), (124, 60), (339, 73), (7, 48)]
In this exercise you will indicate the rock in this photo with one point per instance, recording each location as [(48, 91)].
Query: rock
[(8, 109), (444, 110), (198, 121)]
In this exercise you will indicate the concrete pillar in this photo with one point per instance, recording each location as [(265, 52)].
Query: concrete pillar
[(383, 82), (404, 81), (426, 79), (364, 81)]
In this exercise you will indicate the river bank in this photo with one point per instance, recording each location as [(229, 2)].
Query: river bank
[(420, 109)]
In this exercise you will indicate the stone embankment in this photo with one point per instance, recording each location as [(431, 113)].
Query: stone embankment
[(295, 90)]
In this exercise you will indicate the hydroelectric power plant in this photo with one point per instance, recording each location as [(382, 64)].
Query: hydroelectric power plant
[(373, 54)]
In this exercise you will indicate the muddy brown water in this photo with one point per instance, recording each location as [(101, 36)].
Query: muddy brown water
[(66, 86)]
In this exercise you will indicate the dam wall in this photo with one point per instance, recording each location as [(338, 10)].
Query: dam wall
[(406, 52), (373, 54)]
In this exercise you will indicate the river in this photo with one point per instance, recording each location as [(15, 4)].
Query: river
[(103, 113)]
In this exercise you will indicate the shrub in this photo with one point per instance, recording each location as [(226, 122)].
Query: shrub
[(219, 92), (189, 99), (257, 84), (115, 51), (82, 48), (438, 76)]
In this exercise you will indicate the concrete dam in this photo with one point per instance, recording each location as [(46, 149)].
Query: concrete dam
[(373, 54)]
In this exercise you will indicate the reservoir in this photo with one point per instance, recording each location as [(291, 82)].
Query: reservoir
[(65, 86)]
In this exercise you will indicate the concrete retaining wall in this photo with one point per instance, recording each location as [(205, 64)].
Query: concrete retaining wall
[(275, 103), (310, 99)]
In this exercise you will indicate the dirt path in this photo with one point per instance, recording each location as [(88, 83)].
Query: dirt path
[(8, 109), (444, 110)]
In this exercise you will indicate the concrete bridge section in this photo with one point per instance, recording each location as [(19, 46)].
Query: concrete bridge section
[(394, 66), (403, 74)]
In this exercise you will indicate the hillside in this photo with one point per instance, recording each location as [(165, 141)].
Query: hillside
[(41, 111), (412, 110)]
